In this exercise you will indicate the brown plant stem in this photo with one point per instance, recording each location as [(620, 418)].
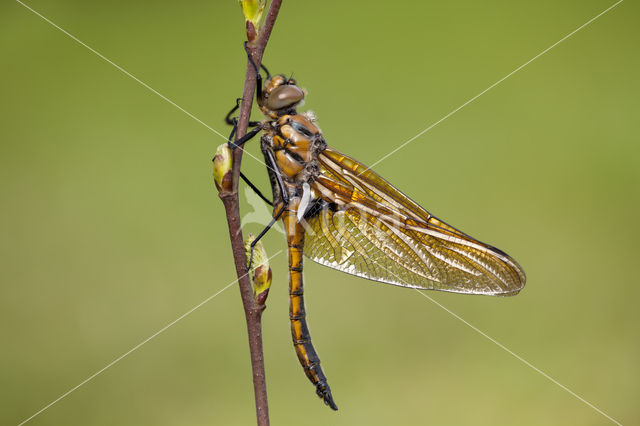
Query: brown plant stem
[(253, 311)]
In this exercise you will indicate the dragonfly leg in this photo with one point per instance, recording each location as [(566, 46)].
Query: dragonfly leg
[(285, 204), (255, 189), (258, 76), (233, 145), (251, 134), (232, 121), (264, 231)]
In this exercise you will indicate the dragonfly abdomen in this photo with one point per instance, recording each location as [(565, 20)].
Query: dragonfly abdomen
[(299, 330)]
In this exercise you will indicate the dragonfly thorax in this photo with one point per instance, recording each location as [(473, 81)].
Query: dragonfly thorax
[(295, 141)]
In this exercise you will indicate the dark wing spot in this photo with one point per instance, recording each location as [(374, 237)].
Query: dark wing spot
[(317, 206)]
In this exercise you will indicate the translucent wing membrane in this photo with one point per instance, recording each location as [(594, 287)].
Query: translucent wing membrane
[(366, 227)]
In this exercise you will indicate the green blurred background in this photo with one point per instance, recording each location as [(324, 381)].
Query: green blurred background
[(111, 227)]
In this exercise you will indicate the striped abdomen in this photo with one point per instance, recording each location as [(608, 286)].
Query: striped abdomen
[(299, 330)]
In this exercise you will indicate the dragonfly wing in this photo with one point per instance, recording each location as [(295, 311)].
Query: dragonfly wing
[(362, 225)]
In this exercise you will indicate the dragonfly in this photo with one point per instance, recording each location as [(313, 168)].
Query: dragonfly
[(341, 214)]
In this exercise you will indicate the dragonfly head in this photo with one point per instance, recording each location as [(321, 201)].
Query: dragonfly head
[(280, 96)]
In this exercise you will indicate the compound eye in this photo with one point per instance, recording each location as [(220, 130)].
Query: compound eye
[(283, 97)]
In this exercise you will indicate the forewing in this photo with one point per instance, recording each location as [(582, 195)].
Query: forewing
[(364, 226)]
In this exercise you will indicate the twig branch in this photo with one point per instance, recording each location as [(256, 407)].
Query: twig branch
[(253, 311)]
